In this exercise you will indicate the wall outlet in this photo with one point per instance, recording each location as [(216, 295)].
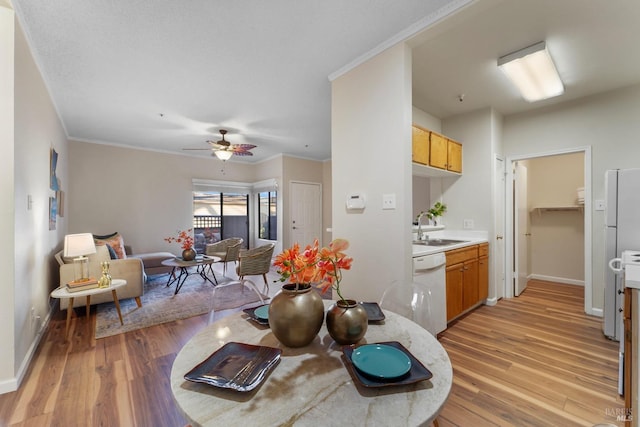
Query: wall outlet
[(467, 224), (389, 201)]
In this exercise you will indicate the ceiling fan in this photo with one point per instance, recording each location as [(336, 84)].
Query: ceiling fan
[(223, 149)]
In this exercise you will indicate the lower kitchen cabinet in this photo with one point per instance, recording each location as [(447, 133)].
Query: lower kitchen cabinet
[(454, 290), (467, 277), (483, 271)]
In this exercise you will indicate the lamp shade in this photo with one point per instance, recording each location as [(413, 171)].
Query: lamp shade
[(533, 72), (78, 245), (223, 154)]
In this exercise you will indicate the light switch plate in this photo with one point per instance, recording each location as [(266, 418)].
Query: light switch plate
[(389, 201), (467, 224), (599, 205)]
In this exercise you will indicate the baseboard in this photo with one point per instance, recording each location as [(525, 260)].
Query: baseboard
[(8, 386), (562, 280), (491, 301), (13, 384), (598, 312)]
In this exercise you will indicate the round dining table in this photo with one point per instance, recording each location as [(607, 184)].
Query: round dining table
[(311, 385)]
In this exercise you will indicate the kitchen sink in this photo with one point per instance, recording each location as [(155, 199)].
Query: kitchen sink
[(438, 242)]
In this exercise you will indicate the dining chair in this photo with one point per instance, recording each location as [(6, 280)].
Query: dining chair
[(412, 301), (228, 250), (255, 262)]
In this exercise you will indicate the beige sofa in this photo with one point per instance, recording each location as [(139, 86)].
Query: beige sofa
[(129, 269)]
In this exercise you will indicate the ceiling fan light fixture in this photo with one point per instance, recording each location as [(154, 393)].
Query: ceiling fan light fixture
[(533, 72), (223, 154)]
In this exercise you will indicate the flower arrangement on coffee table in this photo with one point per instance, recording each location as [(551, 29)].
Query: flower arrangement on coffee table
[(186, 242), (184, 239)]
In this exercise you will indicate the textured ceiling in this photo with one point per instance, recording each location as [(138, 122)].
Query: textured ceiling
[(166, 75), (257, 68)]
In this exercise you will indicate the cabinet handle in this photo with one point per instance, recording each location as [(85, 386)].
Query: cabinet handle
[(499, 237)]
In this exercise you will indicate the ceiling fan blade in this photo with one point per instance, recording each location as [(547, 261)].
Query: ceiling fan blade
[(243, 153), (243, 146)]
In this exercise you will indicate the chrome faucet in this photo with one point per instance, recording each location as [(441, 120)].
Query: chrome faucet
[(420, 234)]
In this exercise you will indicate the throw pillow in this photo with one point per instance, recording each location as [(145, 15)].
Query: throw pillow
[(115, 241), (112, 252)]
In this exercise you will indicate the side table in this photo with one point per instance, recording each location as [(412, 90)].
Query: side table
[(63, 292)]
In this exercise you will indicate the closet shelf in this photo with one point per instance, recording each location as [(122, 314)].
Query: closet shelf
[(572, 208)]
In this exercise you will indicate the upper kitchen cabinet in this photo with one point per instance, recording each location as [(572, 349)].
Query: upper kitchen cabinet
[(434, 154), (454, 156), (420, 147)]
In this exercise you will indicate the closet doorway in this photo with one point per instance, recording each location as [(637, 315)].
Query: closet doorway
[(557, 233)]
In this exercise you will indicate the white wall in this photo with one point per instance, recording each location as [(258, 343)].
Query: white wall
[(7, 200), (36, 129), (469, 196), (146, 196), (608, 123), (370, 103)]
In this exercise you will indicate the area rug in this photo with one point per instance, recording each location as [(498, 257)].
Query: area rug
[(160, 305)]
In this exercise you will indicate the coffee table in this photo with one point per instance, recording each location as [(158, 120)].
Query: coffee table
[(63, 292), (202, 263)]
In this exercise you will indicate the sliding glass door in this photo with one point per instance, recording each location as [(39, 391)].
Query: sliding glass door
[(218, 216)]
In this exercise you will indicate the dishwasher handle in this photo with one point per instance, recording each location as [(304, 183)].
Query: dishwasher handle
[(429, 262)]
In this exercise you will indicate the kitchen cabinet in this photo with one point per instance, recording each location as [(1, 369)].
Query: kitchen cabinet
[(467, 278), (438, 151), (434, 154), (483, 271), (454, 156), (420, 145)]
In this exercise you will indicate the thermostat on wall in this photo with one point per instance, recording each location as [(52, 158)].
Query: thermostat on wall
[(355, 201)]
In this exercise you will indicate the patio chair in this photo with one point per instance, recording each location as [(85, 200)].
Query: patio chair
[(227, 249), (255, 262)]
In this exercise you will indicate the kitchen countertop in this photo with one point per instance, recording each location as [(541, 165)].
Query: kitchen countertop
[(470, 238)]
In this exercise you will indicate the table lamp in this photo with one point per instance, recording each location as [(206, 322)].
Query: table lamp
[(78, 246)]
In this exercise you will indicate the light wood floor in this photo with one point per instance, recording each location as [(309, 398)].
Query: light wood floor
[(532, 361)]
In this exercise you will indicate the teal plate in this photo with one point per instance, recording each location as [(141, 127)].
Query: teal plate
[(381, 361), (262, 312)]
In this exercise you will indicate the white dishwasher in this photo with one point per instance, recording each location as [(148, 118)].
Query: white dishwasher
[(430, 278)]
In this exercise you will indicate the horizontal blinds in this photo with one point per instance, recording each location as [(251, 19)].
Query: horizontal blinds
[(266, 185), (207, 185)]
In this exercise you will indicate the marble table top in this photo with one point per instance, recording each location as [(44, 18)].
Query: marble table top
[(311, 385)]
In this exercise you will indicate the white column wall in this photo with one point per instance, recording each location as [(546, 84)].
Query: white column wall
[(371, 155), (7, 204)]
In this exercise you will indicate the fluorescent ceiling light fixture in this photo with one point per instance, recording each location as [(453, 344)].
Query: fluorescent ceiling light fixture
[(532, 71), (223, 154)]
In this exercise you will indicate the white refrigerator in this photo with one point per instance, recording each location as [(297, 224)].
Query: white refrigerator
[(622, 232)]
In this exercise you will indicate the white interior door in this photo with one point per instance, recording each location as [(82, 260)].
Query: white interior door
[(498, 254), (521, 229), (306, 213)]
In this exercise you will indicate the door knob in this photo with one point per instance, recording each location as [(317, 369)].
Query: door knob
[(294, 228)]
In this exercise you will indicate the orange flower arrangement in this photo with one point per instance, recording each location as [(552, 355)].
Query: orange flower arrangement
[(184, 238), (315, 265)]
